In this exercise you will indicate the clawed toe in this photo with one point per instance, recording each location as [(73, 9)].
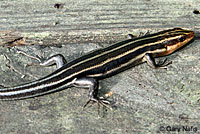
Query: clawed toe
[(100, 101)]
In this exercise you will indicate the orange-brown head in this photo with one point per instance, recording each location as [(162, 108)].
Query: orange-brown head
[(174, 39)]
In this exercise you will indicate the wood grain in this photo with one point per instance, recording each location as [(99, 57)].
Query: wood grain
[(95, 21), (143, 99)]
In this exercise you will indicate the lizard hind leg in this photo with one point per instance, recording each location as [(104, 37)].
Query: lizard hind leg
[(92, 84), (57, 59)]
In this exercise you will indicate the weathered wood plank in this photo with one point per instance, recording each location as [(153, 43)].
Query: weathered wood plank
[(144, 99), (91, 19)]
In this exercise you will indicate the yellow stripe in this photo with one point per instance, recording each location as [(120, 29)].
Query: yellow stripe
[(126, 64), (117, 57), (105, 53)]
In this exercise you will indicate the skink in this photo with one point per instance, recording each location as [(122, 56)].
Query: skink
[(87, 70)]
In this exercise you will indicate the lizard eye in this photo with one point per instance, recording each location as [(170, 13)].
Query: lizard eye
[(181, 39)]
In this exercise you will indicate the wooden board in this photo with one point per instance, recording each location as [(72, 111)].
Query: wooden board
[(144, 100)]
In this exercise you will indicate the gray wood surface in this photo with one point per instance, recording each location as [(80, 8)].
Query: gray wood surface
[(144, 99)]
